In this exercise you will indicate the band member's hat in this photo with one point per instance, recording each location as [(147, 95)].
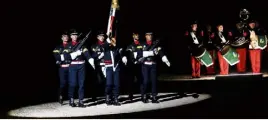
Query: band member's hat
[(194, 22), (101, 33), (149, 33), (64, 33), (251, 21), (73, 32)]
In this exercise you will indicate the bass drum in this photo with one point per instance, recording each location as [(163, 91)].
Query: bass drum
[(225, 49), (198, 51)]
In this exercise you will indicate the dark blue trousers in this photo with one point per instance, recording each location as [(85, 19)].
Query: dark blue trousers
[(112, 82), (149, 74), (76, 75), (63, 74)]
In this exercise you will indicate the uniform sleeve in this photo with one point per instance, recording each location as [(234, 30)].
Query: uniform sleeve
[(56, 53), (66, 53), (161, 51), (94, 53), (140, 52), (86, 53)]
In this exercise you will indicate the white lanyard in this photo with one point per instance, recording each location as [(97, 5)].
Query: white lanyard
[(223, 40), (194, 38)]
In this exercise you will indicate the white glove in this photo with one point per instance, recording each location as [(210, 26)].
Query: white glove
[(165, 60), (101, 55), (135, 54), (124, 59), (75, 54), (108, 40), (91, 62), (156, 51), (62, 57), (148, 53)]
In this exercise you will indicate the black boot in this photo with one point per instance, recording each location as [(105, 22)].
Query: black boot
[(144, 99), (116, 101), (71, 102), (154, 99), (130, 97), (81, 104), (108, 100), (60, 99)]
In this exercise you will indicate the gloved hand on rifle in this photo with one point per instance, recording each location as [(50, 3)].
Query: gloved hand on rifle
[(101, 55), (148, 53), (75, 54)]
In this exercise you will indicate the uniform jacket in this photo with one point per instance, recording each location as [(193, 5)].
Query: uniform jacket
[(117, 54), (96, 51), (84, 56), (57, 52), (146, 45)]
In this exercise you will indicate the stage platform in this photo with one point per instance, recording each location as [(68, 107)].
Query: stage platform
[(170, 77)]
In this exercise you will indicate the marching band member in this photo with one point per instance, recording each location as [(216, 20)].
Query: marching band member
[(209, 35), (254, 50), (221, 39), (241, 50), (194, 39)]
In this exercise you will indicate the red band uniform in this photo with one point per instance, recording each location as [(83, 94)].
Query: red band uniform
[(254, 52), (221, 39), (241, 50), (211, 49), (194, 39)]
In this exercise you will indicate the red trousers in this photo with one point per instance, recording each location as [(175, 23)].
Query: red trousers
[(224, 66), (210, 69), (241, 66), (195, 67), (255, 59)]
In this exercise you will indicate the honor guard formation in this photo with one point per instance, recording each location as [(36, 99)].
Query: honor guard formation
[(106, 57)]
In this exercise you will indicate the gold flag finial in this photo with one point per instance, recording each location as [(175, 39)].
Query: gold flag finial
[(115, 4)]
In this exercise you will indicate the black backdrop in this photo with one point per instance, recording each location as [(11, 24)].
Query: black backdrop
[(33, 30)]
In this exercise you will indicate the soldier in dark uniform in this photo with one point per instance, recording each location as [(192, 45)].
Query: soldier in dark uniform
[(98, 54), (221, 38), (194, 39), (210, 48), (149, 67), (77, 68), (63, 66), (134, 66), (112, 57)]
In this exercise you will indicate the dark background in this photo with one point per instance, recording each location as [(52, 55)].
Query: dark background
[(33, 29)]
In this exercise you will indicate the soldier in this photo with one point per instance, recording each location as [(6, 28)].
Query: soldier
[(132, 50), (221, 39), (149, 67), (241, 50), (254, 51), (112, 57), (77, 69), (194, 39), (63, 66), (98, 54), (211, 49)]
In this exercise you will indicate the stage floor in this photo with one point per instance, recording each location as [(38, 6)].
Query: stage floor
[(170, 77)]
